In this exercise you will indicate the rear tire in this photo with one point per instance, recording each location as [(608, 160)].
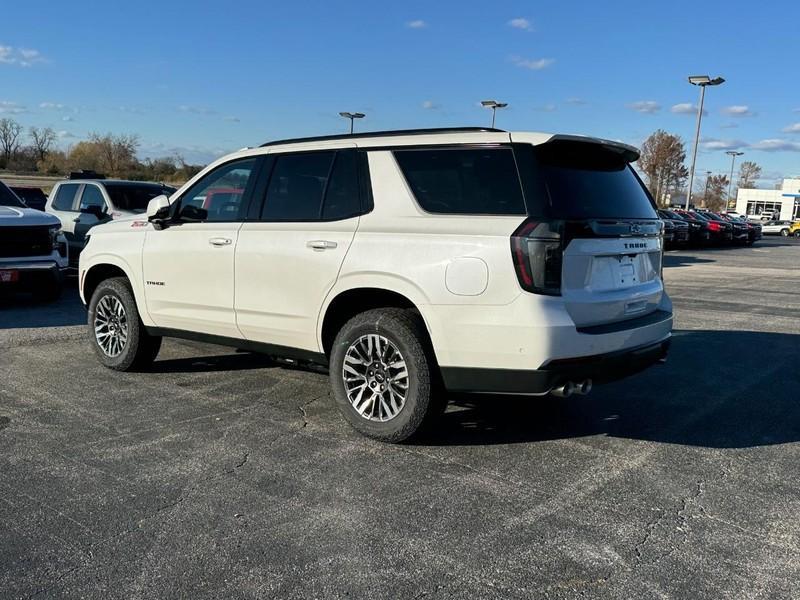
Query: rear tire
[(116, 332), (797, 233), (384, 376)]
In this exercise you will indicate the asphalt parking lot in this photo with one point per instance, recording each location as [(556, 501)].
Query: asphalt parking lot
[(225, 475)]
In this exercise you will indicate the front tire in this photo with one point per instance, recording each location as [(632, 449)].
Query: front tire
[(384, 375), (116, 332), (785, 232)]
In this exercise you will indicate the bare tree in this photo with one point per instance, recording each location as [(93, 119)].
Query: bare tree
[(10, 131), (749, 173), (661, 160), (43, 140), (716, 190)]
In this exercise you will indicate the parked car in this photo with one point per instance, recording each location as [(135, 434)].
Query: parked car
[(33, 197), (721, 231), (80, 204), (469, 259), (794, 230), (33, 251), (743, 232), (776, 228), (699, 229), (676, 230)]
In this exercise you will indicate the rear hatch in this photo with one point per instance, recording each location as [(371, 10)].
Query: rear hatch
[(593, 236)]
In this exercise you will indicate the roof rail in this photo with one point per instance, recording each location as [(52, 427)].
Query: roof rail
[(395, 132)]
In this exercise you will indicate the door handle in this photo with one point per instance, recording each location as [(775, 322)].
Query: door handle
[(219, 241), (321, 245)]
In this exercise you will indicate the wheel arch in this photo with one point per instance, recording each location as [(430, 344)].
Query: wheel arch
[(107, 266), (344, 304)]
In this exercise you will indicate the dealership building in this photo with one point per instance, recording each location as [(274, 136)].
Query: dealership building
[(783, 203)]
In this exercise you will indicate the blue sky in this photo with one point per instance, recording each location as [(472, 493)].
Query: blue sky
[(204, 78)]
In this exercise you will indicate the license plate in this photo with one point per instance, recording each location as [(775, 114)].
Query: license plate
[(8, 276), (627, 271)]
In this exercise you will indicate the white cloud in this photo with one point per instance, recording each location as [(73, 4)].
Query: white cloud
[(729, 126), (67, 118), (686, 108), (575, 101), (197, 110), (51, 105), (534, 64), (11, 108), (713, 144), (231, 119), (65, 134), (741, 110), (22, 57), (521, 23), (794, 128), (431, 105), (417, 24), (776, 145), (647, 107)]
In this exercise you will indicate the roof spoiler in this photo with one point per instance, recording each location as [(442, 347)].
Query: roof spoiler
[(628, 152)]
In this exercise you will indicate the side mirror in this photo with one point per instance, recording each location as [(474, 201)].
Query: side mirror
[(95, 210), (158, 208)]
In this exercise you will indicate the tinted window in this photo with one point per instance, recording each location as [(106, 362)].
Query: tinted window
[(133, 197), (65, 196), (92, 196), (219, 195), (8, 198), (342, 198), (584, 180), (469, 181), (296, 187)]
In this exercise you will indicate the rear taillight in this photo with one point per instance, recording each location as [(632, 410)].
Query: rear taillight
[(714, 226), (537, 254)]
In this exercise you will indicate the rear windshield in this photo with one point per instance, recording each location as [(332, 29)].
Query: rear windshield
[(133, 197), (8, 198), (589, 181)]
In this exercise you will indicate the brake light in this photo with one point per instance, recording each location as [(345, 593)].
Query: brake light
[(713, 226), (537, 254)]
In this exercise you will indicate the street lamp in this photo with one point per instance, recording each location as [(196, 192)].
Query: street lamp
[(352, 117), (733, 154), (702, 81), (494, 105)]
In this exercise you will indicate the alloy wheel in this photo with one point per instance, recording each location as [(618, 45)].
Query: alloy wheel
[(111, 326), (375, 378)]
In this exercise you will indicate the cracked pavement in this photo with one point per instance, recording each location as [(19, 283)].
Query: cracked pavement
[(225, 474)]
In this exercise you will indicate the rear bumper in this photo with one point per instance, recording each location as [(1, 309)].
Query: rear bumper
[(600, 368)]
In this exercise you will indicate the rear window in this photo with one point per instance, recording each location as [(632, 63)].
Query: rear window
[(586, 181), (132, 197), (463, 181)]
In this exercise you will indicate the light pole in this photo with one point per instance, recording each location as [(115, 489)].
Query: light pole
[(733, 154), (352, 117), (494, 105), (702, 81)]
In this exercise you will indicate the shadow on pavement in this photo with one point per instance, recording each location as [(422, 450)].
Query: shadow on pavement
[(21, 311), (749, 399)]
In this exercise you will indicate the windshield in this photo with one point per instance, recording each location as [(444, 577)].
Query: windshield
[(133, 197), (587, 180), (9, 198)]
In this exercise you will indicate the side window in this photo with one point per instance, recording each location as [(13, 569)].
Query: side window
[(92, 196), (342, 198), (65, 197), (219, 195), (296, 187), (469, 181)]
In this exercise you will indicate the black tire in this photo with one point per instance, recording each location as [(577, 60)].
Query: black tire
[(785, 232), (797, 233), (425, 399), (140, 349)]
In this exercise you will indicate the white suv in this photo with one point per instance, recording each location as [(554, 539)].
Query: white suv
[(409, 262)]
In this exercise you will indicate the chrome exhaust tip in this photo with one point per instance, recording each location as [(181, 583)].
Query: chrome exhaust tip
[(564, 391), (584, 387)]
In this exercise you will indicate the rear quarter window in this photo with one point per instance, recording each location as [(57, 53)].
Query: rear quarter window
[(474, 181)]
